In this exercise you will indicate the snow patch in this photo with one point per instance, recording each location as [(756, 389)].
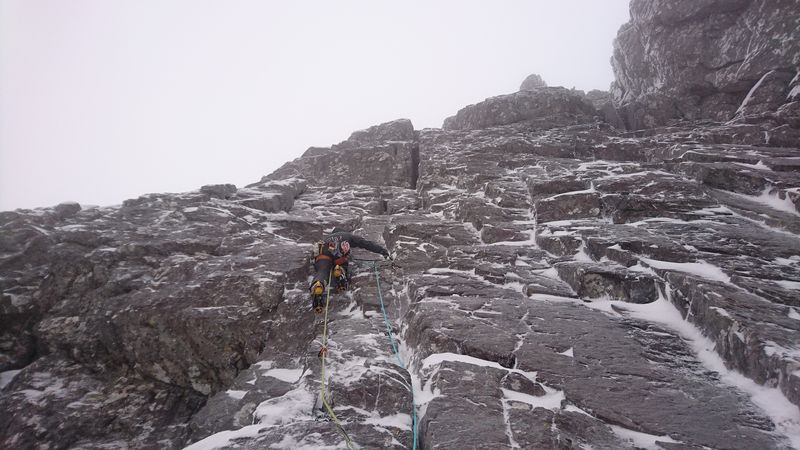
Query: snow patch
[(446, 270), (438, 358), (641, 440), (758, 166), (553, 298), (238, 395), (720, 311), (7, 376), (787, 261), (399, 420), (699, 268), (790, 285), (289, 407), (550, 272), (582, 255), (263, 365), (783, 413), (287, 375), (551, 400), (712, 211), (771, 349), (772, 200), (573, 408), (224, 439)]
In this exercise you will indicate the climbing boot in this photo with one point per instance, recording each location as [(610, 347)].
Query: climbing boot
[(317, 291), (340, 277), (317, 288)]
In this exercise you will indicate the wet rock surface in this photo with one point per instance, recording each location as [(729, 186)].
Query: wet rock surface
[(557, 282)]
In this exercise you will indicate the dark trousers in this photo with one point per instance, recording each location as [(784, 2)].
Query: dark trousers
[(322, 272)]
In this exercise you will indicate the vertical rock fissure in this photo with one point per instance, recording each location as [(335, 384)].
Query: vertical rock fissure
[(414, 165)]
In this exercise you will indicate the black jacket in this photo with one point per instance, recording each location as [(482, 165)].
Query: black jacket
[(334, 245)]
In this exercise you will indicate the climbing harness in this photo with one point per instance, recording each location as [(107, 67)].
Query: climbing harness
[(323, 352), (337, 252), (338, 261)]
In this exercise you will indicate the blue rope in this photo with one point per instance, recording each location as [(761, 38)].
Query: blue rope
[(396, 353)]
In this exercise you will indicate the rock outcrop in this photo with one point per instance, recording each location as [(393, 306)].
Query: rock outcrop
[(542, 108), (557, 282), (532, 82), (383, 155), (704, 59)]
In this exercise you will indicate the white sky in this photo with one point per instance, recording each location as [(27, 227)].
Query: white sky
[(106, 100)]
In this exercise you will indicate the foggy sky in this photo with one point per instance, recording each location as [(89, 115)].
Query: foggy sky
[(106, 100)]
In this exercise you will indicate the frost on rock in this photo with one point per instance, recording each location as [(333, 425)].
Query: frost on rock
[(743, 70), (557, 283)]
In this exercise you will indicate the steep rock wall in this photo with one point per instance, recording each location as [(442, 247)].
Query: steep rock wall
[(382, 155), (556, 284), (701, 59)]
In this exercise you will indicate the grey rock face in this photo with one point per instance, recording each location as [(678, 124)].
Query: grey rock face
[(400, 130), (556, 283), (767, 95), (383, 155), (625, 226), (316, 151), (132, 315), (224, 191), (547, 107), (662, 73)]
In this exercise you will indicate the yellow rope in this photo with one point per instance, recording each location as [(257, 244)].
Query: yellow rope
[(324, 352)]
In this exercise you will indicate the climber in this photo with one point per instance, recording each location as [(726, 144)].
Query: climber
[(332, 254)]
